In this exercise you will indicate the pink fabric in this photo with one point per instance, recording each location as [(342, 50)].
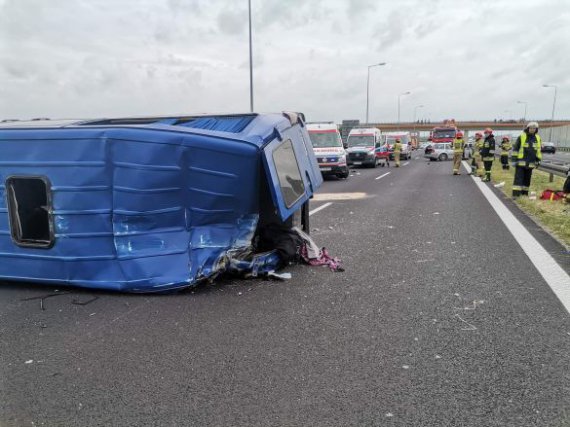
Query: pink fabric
[(324, 259)]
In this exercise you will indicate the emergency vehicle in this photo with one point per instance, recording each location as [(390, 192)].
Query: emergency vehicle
[(361, 146), (444, 133), (328, 149)]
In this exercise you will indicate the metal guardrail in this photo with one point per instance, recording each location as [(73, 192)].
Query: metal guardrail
[(554, 169)]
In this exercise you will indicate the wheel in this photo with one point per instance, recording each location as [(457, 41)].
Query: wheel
[(442, 157), (345, 174)]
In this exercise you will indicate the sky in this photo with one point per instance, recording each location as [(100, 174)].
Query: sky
[(460, 59)]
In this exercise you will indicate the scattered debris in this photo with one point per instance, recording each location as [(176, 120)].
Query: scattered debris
[(405, 367), (500, 184), (44, 297), (389, 415), (27, 362), (437, 356), (436, 213), (89, 301), (280, 276), (470, 328)]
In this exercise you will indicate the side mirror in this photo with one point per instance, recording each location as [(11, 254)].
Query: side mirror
[(345, 145)]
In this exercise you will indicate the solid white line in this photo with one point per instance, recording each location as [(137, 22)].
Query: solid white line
[(406, 164), (382, 176), (553, 274), (320, 208)]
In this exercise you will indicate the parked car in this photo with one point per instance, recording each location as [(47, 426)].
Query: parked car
[(548, 147), (468, 151), (328, 149), (439, 151)]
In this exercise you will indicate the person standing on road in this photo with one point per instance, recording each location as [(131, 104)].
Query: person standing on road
[(397, 151), (488, 153), (505, 148), (458, 148), (477, 164), (526, 157)]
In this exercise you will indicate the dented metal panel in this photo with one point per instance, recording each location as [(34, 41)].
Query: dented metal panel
[(146, 206)]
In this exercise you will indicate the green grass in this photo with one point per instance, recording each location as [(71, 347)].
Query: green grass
[(554, 216)]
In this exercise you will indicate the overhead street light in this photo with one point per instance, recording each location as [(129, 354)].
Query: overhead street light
[(553, 107), (250, 60), (399, 101), (368, 86), (525, 108), (416, 109)]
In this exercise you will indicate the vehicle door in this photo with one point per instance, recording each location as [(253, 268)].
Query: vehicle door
[(292, 169)]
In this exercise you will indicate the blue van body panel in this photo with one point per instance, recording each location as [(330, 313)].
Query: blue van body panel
[(141, 207)]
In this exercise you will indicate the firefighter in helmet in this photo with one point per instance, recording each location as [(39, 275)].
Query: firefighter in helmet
[(458, 148), (397, 151), (526, 157), (477, 163), (505, 148), (488, 153)]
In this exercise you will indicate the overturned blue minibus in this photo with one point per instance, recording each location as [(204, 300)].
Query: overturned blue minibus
[(146, 204)]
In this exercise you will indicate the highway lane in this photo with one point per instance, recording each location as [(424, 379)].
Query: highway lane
[(439, 319)]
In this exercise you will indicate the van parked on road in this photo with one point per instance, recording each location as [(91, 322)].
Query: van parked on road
[(361, 146), (405, 139), (328, 149)]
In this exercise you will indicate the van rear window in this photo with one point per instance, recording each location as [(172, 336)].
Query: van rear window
[(290, 180)]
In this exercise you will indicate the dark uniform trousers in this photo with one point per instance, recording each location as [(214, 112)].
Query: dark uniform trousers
[(521, 184)]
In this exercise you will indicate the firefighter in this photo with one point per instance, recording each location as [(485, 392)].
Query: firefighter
[(477, 163), (458, 147), (488, 153), (505, 148), (526, 157), (397, 150)]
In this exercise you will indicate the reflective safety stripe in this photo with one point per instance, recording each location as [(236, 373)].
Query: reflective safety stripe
[(524, 145), (488, 159), (517, 187)]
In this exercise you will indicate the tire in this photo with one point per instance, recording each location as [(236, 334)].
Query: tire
[(442, 157), (344, 175)]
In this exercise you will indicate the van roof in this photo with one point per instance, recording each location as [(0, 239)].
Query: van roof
[(313, 127), (257, 129), (367, 131)]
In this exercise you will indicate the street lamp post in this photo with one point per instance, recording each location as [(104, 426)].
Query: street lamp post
[(525, 108), (415, 110), (553, 108), (250, 60), (368, 86), (399, 101)]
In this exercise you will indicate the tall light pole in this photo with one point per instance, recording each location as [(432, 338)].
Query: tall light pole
[(368, 86), (553, 108), (525, 108), (416, 109), (250, 60), (399, 98)]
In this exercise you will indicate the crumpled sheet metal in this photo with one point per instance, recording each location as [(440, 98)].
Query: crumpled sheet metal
[(133, 210)]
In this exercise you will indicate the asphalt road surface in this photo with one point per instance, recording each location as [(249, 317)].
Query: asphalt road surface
[(440, 319)]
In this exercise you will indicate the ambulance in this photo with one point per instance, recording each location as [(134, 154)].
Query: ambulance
[(328, 149), (362, 144)]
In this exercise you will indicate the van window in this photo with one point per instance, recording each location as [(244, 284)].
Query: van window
[(290, 181), (361, 140), (29, 204), (324, 139)]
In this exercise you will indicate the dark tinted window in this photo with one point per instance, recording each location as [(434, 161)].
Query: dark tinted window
[(290, 181), (29, 201)]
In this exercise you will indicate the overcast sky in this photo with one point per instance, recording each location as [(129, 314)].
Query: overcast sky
[(460, 58)]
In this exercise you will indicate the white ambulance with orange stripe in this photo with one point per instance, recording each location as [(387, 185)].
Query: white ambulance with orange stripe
[(362, 145), (328, 149)]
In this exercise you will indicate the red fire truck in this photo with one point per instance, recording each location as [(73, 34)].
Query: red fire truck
[(444, 133)]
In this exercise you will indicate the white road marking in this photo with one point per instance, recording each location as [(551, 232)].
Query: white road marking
[(320, 208), (406, 164), (382, 176), (553, 274), (323, 197)]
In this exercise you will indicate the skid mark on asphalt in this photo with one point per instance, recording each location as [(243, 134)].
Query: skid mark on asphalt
[(320, 208), (382, 176), (553, 274)]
